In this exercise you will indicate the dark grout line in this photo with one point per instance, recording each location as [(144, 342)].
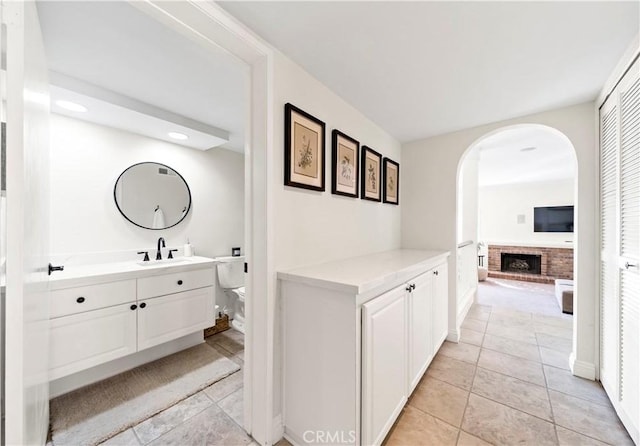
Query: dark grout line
[(513, 377), (434, 416), (453, 385), (515, 408)]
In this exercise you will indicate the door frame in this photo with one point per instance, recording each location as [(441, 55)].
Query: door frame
[(26, 315), (208, 24), (586, 312)]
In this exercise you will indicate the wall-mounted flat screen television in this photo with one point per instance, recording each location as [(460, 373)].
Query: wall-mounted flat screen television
[(553, 219)]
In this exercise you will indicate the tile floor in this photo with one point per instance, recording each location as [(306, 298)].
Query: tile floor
[(212, 416), (508, 381)]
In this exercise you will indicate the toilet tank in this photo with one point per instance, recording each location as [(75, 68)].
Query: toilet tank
[(231, 273)]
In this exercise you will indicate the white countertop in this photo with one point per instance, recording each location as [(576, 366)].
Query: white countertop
[(79, 275), (357, 275)]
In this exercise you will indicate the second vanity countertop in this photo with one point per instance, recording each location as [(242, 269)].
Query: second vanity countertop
[(358, 275), (81, 275)]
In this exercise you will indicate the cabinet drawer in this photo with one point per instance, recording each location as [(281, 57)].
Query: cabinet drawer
[(78, 300), (165, 318), (174, 283), (84, 340)]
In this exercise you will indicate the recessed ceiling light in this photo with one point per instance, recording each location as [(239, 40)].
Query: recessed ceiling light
[(528, 149), (177, 135), (71, 106)]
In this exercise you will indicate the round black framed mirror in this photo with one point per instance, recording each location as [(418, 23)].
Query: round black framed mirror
[(152, 196)]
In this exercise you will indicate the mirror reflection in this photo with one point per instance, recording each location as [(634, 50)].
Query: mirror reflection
[(152, 196)]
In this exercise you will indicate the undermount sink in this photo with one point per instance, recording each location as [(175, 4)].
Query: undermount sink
[(163, 262)]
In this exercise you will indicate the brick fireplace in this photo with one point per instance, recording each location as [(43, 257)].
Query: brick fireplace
[(531, 264)]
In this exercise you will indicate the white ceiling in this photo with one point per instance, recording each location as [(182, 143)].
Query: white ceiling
[(501, 160), (115, 47), (419, 69)]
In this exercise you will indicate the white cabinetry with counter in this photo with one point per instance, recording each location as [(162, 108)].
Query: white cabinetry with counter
[(104, 312), (358, 336)]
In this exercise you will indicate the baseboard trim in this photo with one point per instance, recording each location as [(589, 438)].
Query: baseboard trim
[(292, 438), (277, 430), (582, 369), (454, 334), (466, 305)]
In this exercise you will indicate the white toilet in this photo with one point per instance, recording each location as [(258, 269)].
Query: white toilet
[(231, 279)]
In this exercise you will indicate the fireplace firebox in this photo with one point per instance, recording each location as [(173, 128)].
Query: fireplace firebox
[(521, 263)]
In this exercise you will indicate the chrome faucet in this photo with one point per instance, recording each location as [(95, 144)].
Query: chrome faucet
[(159, 253)]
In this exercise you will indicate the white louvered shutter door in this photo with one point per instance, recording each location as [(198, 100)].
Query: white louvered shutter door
[(629, 373), (609, 324)]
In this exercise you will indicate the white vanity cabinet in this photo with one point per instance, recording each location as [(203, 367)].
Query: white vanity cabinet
[(358, 335), (94, 323)]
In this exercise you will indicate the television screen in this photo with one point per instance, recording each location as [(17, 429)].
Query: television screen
[(553, 219)]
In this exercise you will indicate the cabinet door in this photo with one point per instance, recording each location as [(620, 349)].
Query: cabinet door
[(87, 339), (163, 319), (440, 305), (384, 363), (420, 327)]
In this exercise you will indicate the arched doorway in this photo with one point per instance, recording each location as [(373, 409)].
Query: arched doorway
[(501, 178)]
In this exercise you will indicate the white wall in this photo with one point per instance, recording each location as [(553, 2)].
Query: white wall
[(428, 194), (500, 205), (86, 160), (314, 227)]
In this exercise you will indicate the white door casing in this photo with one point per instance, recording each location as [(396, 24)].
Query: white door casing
[(208, 24), (204, 22), (27, 328), (609, 311)]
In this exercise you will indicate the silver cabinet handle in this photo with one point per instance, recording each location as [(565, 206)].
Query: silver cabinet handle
[(630, 265)]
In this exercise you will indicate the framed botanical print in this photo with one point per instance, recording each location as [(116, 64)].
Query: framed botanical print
[(304, 155), (370, 174), (344, 164), (390, 181)]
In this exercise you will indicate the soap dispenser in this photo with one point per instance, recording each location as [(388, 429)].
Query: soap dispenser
[(188, 249)]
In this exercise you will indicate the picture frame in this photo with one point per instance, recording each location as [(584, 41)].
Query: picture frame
[(345, 163), (370, 174), (390, 181), (304, 149)]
